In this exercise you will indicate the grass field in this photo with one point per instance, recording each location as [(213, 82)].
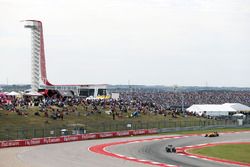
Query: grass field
[(14, 126), (209, 130), (11, 119), (235, 152)]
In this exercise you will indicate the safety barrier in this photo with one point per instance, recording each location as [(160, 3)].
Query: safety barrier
[(88, 136), (47, 130), (61, 139)]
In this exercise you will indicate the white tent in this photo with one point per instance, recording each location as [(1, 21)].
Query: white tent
[(237, 106), (13, 94), (211, 109), (91, 98), (33, 94)]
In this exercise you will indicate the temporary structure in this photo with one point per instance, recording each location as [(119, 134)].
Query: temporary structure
[(217, 109), (238, 106), (33, 94), (13, 93)]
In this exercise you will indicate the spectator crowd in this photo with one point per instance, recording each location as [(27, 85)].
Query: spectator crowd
[(169, 99), (138, 102)]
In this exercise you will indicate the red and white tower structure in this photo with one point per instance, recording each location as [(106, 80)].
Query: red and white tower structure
[(38, 64), (38, 67)]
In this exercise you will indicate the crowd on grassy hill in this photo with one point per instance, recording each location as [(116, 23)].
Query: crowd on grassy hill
[(56, 108), (135, 102)]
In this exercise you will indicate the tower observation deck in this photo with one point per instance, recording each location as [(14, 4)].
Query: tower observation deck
[(38, 67)]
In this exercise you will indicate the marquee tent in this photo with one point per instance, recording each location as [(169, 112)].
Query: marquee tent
[(217, 109), (33, 94), (238, 106), (13, 94)]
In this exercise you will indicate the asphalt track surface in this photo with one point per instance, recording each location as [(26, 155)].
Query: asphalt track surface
[(155, 150), (77, 154)]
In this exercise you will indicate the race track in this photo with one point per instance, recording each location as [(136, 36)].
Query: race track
[(155, 150), (77, 154)]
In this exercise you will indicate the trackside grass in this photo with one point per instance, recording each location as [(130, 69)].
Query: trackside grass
[(210, 130), (83, 116), (234, 152), (31, 125), (34, 124)]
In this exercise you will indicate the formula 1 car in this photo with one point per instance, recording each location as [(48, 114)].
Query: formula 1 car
[(170, 149), (213, 134)]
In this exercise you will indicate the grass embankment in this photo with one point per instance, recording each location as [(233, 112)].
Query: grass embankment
[(83, 115), (30, 125), (209, 130), (234, 152)]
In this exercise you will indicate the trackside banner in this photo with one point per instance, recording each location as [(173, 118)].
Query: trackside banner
[(33, 142), (12, 143), (123, 133), (70, 138), (106, 134)]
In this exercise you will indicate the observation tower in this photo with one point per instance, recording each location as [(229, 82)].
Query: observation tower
[(38, 64), (39, 79)]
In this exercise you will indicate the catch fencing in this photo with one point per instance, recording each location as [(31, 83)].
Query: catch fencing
[(14, 133)]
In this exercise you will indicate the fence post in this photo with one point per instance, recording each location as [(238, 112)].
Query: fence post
[(23, 132), (110, 126), (43, 132), (34, 133), (17, 133), (8, 134), (55, 129), (104, 127), (116, 126)]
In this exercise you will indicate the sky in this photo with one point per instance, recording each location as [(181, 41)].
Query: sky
[(149, 42)]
